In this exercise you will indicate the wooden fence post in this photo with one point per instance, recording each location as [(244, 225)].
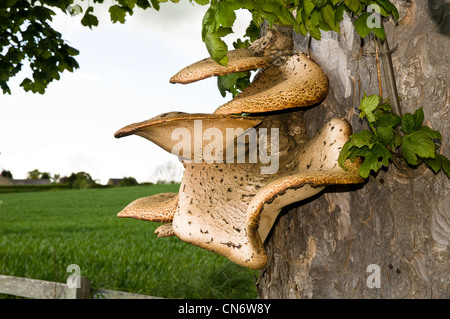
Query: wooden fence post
[(82, 290)]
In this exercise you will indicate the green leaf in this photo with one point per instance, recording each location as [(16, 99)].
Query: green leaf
[(430, 133), (312, 29), (412, 122), (217, 48), (389, 120), (361, 24), (233, 83), (416, 146), (379, 156), (363, 138), (434, 163), (225, 15), (89, 19), (117, 14), (42, 13), (155, 4), (385, 134), (379, 32), (202, 2), (370, 163), (353, 5), (368, 106), (328, 15), (445, 164), (309, 7), (252, 31), (439, 162)]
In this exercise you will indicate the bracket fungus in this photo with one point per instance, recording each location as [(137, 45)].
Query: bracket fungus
[(266, 51), (232, 190)]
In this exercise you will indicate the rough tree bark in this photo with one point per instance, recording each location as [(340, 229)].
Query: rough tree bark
[(399, 219)]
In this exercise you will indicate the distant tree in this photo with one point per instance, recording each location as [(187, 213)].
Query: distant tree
[(7, 174), (128, 181), (45, 175), (34, 174), (80, 180)]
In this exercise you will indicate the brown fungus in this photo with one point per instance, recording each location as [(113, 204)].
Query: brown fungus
[(266, 51), (298, 82), (186, 135), (229, 205), (252, 205)]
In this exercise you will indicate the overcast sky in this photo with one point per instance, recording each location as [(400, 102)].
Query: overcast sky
[(123, 78)]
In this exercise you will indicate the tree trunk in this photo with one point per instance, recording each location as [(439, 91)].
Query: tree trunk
[(396, 226)]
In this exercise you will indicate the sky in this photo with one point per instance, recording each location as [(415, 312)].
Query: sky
[(123, 78)]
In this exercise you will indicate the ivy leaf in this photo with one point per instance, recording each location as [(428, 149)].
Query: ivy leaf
[(373, 160), (439, 162), (412, 122), (233, 83), (389, 120), (368, 106), (416, 146), (364, 140), (430, 133)]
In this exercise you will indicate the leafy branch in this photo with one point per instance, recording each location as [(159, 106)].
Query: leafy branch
[(305, 16), (391, 136)]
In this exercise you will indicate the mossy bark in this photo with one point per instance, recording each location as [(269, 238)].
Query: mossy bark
[(399, 219)]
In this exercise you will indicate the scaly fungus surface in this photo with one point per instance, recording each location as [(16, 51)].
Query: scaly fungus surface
[(229, 199)]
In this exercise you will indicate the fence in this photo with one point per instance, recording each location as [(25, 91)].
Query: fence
[(41, 289)]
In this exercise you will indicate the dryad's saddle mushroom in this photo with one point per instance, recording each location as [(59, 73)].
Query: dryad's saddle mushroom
[(240, 171)]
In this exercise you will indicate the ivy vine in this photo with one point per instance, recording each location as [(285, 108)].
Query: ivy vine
[(393, 137)]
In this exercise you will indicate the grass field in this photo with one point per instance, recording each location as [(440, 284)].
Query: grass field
[(41, 233)]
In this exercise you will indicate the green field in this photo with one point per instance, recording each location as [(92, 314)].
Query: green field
[(41, 233)]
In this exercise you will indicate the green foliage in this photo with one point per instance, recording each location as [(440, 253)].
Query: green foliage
[(305, 16), (128, 181), (235, 83), (42, 233), (27, 37), (32, 188), (80, 180), (377, 147), (6, 174), (36, 174)]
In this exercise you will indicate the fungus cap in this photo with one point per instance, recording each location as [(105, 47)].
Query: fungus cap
[(298, 82), (231, 216), (239, 60), (177, 132), (157, 208)]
